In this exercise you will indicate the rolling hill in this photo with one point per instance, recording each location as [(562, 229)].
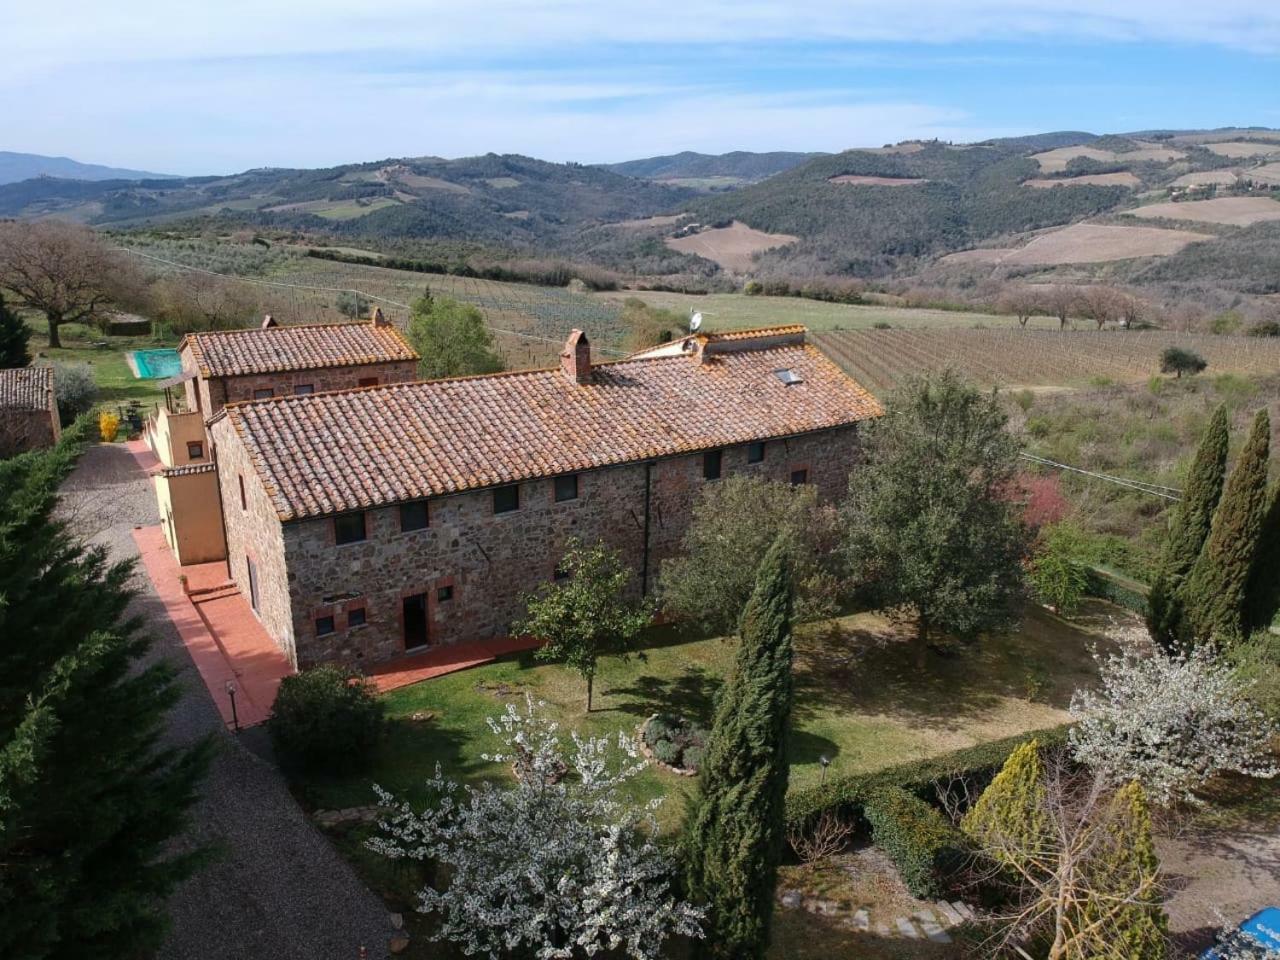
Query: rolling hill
[(15, 167), (739, 166)]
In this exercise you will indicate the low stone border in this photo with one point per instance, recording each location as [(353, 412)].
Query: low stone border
[(930, 923), (333, 818), (648, 753)]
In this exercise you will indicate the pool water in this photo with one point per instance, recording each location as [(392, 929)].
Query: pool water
[(157, 364)]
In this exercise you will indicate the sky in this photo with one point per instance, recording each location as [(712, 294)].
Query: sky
[(218, 86)]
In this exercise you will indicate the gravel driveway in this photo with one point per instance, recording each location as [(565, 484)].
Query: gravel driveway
[(277, 888)]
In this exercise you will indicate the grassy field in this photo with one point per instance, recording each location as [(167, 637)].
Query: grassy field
[(861, 700), (116, 383)]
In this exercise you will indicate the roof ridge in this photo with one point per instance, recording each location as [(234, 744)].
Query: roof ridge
[(292, 326)]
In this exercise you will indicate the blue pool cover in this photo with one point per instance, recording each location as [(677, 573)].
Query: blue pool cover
[(157, 364)]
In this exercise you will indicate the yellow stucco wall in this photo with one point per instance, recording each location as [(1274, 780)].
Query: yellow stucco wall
[(191, 516)]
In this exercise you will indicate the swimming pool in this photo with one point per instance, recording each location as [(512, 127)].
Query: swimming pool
[(155, 364)]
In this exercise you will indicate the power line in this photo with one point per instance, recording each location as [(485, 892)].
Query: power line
[(361, 293), (1154, 489)]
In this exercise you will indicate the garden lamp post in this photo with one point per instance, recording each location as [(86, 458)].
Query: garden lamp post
[(231, 692), (826, 762)]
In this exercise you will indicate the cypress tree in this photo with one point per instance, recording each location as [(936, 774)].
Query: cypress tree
[(1189, 530), (89, 801), (1125, 884), (1010, 814), (14, 337), (1262, 595), (735, 832), (1213, 595)]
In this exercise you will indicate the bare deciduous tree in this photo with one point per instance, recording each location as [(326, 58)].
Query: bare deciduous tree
[(62, 270), (1059, 301), (826, 836), (1021, 301), (1102, 304)]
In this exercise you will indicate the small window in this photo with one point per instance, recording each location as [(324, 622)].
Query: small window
[(348, 528), (265, 394), (304, 388), (195, 450), (755, 452), (355, 618), (368, 381), (244, 502), (413, 516), (711, 464), (444, 594), (506, 499), (799, 477), (324, 626), (567, 488)]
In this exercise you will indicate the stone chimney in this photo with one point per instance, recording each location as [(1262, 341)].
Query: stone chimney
[(268, 322), (377, 319), (575, 358)]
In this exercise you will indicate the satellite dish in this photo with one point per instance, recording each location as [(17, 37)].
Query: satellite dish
[(695, 322)]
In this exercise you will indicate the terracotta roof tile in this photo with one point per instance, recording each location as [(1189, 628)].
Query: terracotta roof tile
[(187, 469), (355, 449), (26, 388), (232, 353)]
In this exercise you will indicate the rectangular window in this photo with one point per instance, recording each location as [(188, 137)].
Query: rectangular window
[(368, 381), (304, 388), (567, 488), (506, 499), (324, 626), (755, 452), (799, 477), (711, 464), (195, 450), (244, 502), (355, 618), (413, 516), (348, 528), (264, 394), (444, 594)]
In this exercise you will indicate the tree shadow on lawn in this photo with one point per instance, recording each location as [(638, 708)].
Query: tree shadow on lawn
[(691, 694), (868, 664)]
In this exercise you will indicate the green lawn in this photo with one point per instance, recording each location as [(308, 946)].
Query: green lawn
[(116, 382), (861, 700)]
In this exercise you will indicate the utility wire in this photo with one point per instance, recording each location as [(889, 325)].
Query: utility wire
[(1154, 489), (304, 286)]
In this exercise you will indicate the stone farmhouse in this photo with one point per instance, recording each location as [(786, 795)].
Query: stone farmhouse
[(28, 410), (364, 523), (235, 365)]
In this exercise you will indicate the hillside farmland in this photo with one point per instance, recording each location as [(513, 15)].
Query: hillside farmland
[(880, 359)]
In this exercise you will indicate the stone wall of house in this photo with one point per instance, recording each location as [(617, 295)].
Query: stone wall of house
[(253, 533), (284, 383), (484, 562), (22, 430)]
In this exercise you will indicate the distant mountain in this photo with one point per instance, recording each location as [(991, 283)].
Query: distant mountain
[(24, 166), (739, 165)]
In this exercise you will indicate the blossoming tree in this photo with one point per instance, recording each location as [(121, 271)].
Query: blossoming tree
[(558, 866)]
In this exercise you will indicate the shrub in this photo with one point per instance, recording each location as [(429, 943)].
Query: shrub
[(667, 752), (658, 728), (692, 757), (753, 288), (76, 390), (1257, 664), (1178, 361), (921, 842), (352, 304), (108, 426), (882, 325), (326, 717)]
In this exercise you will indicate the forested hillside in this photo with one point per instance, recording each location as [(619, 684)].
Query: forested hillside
[(739, 164)]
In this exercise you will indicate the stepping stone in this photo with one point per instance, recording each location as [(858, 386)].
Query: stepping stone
[(791, 899), (925, 916), (950, 916), (962, 909), (862, 920), (934, 932), (907, 929), (882, 929)]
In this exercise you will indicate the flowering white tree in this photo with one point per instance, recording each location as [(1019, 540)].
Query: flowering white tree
[(1171, 722), (558, 866)]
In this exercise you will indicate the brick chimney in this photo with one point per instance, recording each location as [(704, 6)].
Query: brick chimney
[(575, 358), (268, 322), (377, 318)]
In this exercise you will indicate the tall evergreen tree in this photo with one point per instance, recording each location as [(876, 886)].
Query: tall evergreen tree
[(1262, 595), (89, 801), (1213, 596), (1126, 883), (1189, 530), (735, 833), (14, 338)]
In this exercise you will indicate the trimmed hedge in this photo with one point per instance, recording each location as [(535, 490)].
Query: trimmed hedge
[(976, 765), (921, 842), (1120, 590)]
